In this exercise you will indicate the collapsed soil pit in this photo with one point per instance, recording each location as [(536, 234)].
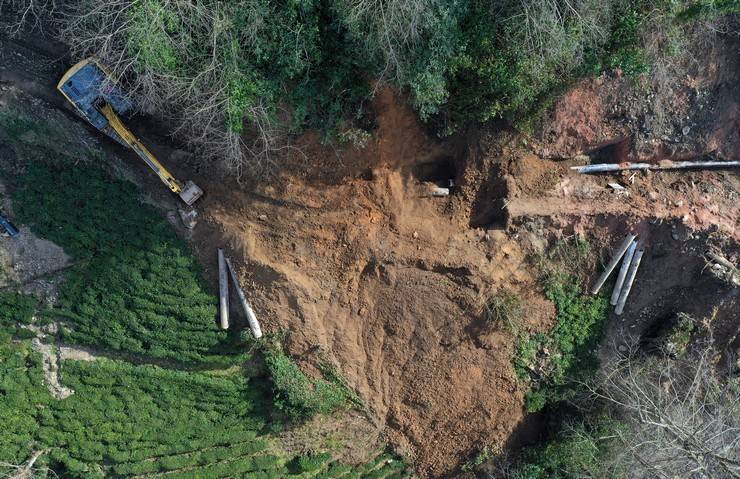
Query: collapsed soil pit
[(389, 297), (390, 286), (441, 172)]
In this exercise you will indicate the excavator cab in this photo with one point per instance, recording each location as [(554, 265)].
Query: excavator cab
[(88, 86)]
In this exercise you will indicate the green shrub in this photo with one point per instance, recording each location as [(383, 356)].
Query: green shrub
[(311, 463), (709, 9), (478, 460), (549, 361), (16, 308), (536, 400), (676, 342), (584, 449), (297, 395), (152, 36)]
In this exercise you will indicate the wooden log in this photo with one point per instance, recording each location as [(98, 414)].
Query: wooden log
[(223, 290), (248, 311)]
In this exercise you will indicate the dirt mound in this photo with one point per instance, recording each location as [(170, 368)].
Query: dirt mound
[(576, 122)]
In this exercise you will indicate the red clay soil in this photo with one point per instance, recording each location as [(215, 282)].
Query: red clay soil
[(361, 265), (388, 284)]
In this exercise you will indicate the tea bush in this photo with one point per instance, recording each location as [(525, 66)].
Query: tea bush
[(22, 395), (136, 288)]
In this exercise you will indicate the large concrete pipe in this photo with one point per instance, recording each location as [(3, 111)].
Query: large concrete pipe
[(223, 290), (248, 311), (615, 259), (628, 282), (623, 273)]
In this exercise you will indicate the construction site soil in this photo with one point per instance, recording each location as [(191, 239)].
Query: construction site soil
[(348, 252)]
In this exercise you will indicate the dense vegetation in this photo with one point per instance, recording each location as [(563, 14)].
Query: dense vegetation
[(141, 293), (238, 76), (579, 449), (135, 288), (647, 415), (16, 310), (130, 420)]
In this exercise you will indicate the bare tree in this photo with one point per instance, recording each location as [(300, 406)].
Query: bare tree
[(20, 15), (558, 32), (685, 416), (27, 470), (393, 26)]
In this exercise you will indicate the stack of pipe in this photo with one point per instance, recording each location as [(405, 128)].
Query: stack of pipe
[(632, 253), (224, 266)]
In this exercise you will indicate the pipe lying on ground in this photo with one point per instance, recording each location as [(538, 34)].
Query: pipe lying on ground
[(615, 259), (248, 311), (623, 272), (440, 192), (223, 290), (663, 165), (628, 282)]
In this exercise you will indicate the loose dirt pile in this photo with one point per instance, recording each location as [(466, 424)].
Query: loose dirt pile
[(390, 284)]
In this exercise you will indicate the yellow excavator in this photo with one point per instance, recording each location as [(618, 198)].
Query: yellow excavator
[(90, 88)]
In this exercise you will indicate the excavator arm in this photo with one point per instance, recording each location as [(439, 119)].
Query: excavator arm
[(189, 192), (88, 86)]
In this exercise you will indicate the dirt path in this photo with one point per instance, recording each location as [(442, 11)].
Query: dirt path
[(50, 365)]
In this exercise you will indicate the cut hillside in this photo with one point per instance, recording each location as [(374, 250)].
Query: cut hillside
[(349, 259)]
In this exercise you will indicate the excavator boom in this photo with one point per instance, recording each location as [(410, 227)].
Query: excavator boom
[(90, 89), (189, 193)]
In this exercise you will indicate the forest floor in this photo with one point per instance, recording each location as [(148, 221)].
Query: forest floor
[(348, 252)]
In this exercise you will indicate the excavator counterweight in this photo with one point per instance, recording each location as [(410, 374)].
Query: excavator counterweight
[(95, 95)]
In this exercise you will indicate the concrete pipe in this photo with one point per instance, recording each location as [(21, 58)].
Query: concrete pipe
[(623, 273), (223, 290), (628, 282), (248, 311), (615, 259)]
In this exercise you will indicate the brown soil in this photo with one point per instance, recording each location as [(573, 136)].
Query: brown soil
[(347, 251), (390, 284)]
